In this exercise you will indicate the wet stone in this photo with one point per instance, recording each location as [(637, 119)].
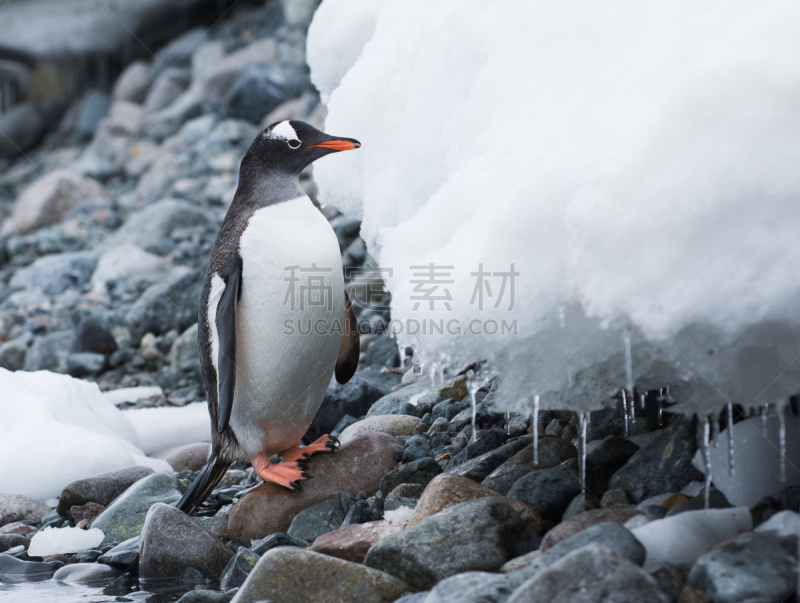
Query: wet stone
[(16, 570), (418, 472), (323, 517), (479, 467), (17, 507), (552, 452), (360, 512), (582, 521), (100, 489), (124, 556), (549, 491), (259, 547)]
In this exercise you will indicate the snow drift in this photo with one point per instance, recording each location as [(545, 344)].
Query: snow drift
[(635, 162)]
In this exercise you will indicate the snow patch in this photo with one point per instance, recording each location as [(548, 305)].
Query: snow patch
[(166, 427), (132, 394), (62, 541), (399, 514)]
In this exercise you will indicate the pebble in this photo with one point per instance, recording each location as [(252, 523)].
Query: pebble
[(582, 521), (204, 596), (18, 527), (288, 574), (470, 587), (418, 472), (358, 466), (190, 457), (580, 504), (85, 573), (100, 489), (478, 535), (447, 490), (608, 457), (238, 568), (351, 542), (396, 425), (311, 523), (756, 567), (13, 569), (552, 452), (124, 556), (615, 499), (16, 507), (57, 272), (716, 500), (124, 517), (488, 442), (259, 547), (396, 402), (8, 541), (171, 542), (549, 491)]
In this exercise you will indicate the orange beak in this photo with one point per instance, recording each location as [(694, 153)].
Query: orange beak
[(337, 145)]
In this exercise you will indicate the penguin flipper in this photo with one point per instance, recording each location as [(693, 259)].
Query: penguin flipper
[(201, 487), (226, 327), (350, 347)]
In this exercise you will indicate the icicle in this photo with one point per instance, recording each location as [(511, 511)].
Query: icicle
[(707, 459), (633, 408), (561, 319), (714, 430), (432, 372), (764, 413), (402, 350), (584, 422), (535, 429), (780, 407), (641, 401), (730, 439), (625, 414), (628, 364), (508, 423), (660, 404), (473, 385)]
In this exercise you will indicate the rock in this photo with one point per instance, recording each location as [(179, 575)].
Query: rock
[(94, 107), (171, 542), (361, 512), (592, 574), (168, 87), (50, 353), (447, 490), (92, 336), (286, 575), (12, 353), (57, 272), (353, 398), (124, 518), (607, 458), (133, 82), (478, 535), (419, 472), (417, 446), (21, 128), (204, 596), (100, 489), (552, 452), (784, 523), (238, 568), (47, 200), (17, 527), (479, 467), (86, 512), (85, 364), (468, 586), (258, 90), (690, 594), (351, 542), (9, 541), (85, 573), (663, 465), (357, 467), (615, 499), (393, 403), (580, 504), (127, 268), (190, 457), (582, 521), (171, 304), (16, 507), (756, 567), (408, 491), (311, 523), (555, 428), (382, 352), (148, 227), (396, 425), (549, 491), (489, 441), (679, 540), (184, 356), (789, 499), (716, 500), (124, 556), (275, 540), (13, 569)]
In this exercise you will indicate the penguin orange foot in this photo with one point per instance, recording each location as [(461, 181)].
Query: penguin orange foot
[(292, 468)]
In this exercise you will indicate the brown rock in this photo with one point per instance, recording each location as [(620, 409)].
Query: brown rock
[(616, 498), (570, 433), (520, 562), (289, 574), (396, 425), (16, 507), (408, 491), (356, 467), (352, 542), (85, 512), (674, 500), (447, 490), (18, 528), (190, 456), (46, 200), (582, 521), (552, 452)]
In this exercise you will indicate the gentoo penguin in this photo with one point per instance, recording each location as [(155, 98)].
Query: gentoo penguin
[(275, 321)]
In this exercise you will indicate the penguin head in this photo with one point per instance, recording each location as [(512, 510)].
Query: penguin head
[(290, 146)]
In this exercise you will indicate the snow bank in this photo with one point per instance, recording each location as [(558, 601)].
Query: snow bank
[(636, 162), (57, 429), (167, 427)]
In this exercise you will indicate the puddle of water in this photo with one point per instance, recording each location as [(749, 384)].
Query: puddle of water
[(48, 591)]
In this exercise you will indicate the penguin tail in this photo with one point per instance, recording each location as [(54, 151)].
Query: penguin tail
[(202, 486)]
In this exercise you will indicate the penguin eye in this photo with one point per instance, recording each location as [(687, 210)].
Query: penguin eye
[(294, 143)]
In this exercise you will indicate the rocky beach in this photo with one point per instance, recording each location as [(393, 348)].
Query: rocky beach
[(437, 494)]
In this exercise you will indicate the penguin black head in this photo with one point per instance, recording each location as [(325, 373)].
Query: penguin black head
[(290, 146)]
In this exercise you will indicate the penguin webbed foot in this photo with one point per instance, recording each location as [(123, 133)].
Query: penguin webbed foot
[(325, 443), (286, 474)]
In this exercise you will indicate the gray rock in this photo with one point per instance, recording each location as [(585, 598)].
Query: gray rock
[(419, 597), (478, 535), (399, 502), (662, 465), (133, 82), (316, 520), (9, 541), (418, 472), (184, 356), (204, 596), (171, 304), (100, 489), (49, 353), (257, 91), (488, 442), (168, 87), (609, 534), (21, 128), (592, 574), (789, 499), (124, 556), (17, 507), (552, 452), (149, 227), (56, 273), (92, 335), (85, 364), (292, 574), (549, 491), (14, 570), (382, 352), (757, 567), (259, 547), (13, 352), (472, 587), (615, 499), (392, 404), (417, 447), (580, 504), (171, 542), (556, 428), (608, 457), (85, 573), (238, 568), (194, 130), (716, 500), (178, 52), (93, 108), (124, 518)]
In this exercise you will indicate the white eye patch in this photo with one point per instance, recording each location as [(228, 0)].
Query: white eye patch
[(284, 130)]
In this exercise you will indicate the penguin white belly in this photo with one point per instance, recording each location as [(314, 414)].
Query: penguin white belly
[(287, 341)]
